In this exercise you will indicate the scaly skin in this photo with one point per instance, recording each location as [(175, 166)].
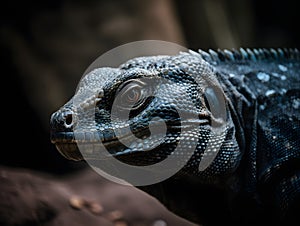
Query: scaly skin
[(250, 96)]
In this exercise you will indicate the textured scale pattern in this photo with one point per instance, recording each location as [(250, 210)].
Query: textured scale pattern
[(258, 164)]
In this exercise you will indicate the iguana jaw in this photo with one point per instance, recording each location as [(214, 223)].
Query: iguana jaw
[(88, 148), (69, 150)]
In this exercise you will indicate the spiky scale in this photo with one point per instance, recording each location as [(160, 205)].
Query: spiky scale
[(251, 55), (229, 54), (214, 55), (244, 53), (206, 56), (273, 51)]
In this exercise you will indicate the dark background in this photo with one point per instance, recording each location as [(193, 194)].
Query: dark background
[(47, 45)]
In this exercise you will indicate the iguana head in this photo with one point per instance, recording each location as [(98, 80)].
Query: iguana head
[(144, 110)]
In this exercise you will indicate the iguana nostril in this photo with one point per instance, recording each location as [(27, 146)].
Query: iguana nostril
[(68, 119)]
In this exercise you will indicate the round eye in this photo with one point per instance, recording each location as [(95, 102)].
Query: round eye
[(131, 95)]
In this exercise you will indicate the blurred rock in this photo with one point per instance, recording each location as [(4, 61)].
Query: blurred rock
[(83, 198)]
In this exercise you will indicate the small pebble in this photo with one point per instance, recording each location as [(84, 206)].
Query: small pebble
[(95, 208), (77, 202), (115, 215)]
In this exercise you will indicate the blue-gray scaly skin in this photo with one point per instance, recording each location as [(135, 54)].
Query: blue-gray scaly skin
[(259, 157)]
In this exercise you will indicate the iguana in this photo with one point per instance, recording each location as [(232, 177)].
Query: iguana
[(257, 163)]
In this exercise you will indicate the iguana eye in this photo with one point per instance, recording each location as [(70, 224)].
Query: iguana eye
[(131, 95)]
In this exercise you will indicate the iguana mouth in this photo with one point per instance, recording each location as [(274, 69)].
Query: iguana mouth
[(89, 147), (72, 148)]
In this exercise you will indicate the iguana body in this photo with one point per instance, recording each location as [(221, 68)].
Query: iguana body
[(259, 156)]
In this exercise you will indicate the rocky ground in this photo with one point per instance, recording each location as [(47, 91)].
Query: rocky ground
[(83, 198)]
